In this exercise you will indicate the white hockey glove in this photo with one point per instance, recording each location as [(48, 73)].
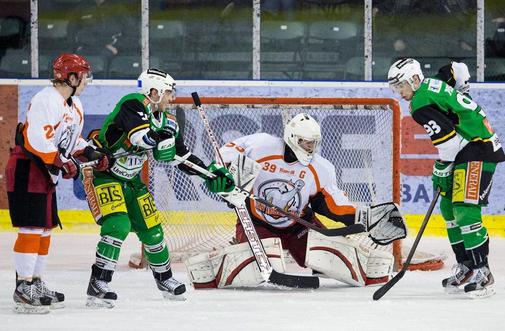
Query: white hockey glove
[(244, 171), (383, 222)]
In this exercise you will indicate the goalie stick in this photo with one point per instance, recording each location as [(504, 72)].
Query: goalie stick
[(267, 271), (386, 287), (344, 231)]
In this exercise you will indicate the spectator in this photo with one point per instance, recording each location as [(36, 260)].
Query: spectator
[(106, 28)]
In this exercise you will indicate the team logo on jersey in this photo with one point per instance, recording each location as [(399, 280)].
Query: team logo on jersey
[(282, 193)]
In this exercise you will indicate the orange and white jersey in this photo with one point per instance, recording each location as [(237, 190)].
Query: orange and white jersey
[(291, 186), (50, 119)]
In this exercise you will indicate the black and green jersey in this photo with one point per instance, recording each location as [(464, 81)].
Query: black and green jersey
[(130, 115), (457, 126)]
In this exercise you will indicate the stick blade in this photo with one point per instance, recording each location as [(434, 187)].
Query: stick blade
[(196, 99), (386, 287), (293, 281)]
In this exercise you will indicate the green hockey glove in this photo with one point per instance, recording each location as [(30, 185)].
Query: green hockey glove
[(223, 182), (165, 150), (442, 175)]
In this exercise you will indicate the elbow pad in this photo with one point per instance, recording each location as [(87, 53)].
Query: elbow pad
[(146, 139)]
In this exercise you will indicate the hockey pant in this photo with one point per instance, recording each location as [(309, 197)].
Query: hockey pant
[(461, 209), (126, 207)]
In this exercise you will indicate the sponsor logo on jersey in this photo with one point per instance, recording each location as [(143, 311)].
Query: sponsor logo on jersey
[(473, 177), (435, 85)]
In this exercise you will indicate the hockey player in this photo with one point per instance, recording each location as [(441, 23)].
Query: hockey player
[(468, 151), (296, 178), (118, 198), (45, 145)]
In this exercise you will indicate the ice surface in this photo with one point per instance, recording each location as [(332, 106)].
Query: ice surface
[(417, 302)]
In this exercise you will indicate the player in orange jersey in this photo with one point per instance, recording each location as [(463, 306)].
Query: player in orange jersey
[(46, 144)]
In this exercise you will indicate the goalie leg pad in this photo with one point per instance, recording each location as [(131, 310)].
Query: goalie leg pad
[(347, 261), (232, 266)]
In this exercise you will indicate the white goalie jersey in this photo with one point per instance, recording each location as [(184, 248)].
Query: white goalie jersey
[(291, 186), (295, 188)]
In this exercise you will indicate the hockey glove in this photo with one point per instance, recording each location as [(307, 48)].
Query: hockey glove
[(92, 153), (68, 167), (442, 176), (165, 150), (223, 182)]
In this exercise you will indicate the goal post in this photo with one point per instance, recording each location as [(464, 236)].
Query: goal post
[(360, 137)]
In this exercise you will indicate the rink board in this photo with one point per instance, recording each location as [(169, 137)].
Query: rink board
[(81, 221)]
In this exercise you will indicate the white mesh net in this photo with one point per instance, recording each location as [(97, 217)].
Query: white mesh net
[(357, 139)]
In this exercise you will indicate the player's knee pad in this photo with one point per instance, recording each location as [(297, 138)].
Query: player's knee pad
[(151, 236), (232, 266), (117, 226), (467, 214), (345, 260)]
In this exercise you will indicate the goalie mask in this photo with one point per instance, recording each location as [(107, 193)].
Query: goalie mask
[(158, 80), (403, 72), (303, 135)]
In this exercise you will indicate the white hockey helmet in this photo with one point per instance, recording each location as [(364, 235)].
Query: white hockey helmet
[(404, 70), (303, 135), (155, 79)]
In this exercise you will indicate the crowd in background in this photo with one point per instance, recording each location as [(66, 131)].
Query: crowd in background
[(109, 32)]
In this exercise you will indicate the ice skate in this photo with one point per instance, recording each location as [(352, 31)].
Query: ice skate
[(172, 289), (57, 298), (99, 294), (28, 300), (481, 285), (461, 273)]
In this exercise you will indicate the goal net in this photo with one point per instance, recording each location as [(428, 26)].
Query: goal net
[(360, 137)]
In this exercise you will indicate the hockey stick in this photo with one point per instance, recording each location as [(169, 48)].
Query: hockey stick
[(267, 271), (386, 287), (115, 156), (348, 230)]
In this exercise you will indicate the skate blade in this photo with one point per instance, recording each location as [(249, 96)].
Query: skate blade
[(171, 297), (57, 305), (97, 303), (483, 293), (23, 308), (453, 290)]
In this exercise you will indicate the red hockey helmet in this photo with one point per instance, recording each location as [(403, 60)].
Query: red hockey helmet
[(67, 63)]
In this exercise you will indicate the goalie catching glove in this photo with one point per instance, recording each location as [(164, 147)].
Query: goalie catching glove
[(383, 222), (223, 182)]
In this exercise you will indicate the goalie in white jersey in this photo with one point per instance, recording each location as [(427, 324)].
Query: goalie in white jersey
[(46, 144), (297, 179)]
